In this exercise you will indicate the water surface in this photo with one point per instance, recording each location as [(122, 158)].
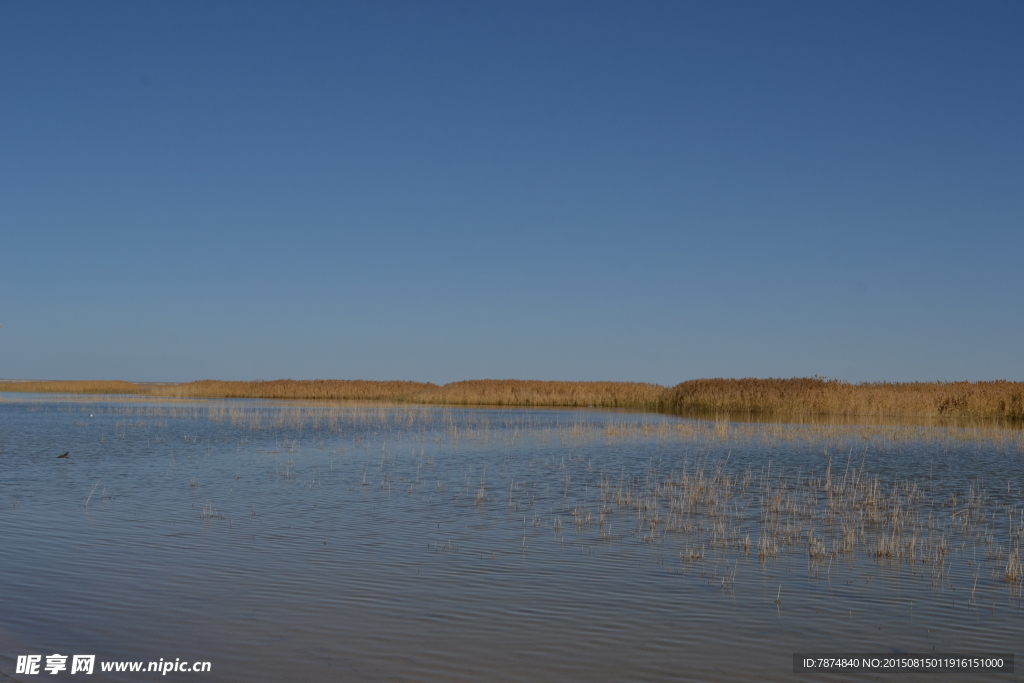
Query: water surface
[(285, 541)]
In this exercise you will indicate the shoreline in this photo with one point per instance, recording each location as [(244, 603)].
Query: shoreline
[(755, 399)]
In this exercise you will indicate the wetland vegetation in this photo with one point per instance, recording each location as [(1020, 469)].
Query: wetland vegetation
[(1000, 400)]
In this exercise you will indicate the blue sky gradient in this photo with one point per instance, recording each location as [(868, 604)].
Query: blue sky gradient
[(573, 191)]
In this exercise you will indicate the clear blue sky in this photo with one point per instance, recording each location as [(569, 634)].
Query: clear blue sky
[(441, 191)]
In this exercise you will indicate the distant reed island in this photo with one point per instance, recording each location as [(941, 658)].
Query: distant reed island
[(798, 396)]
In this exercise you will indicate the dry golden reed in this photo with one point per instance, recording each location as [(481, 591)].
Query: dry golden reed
[(815, 396), (799, 396), (471, 392), (76, 387)]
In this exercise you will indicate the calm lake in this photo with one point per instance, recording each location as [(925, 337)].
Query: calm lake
[(331, 542)]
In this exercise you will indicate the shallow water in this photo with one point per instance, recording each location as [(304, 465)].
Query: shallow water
[(284, 541)]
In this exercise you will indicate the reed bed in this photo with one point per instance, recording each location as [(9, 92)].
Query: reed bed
[(806, 397), (471, 392), (817, 396), (99, 387), (703, 512)]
